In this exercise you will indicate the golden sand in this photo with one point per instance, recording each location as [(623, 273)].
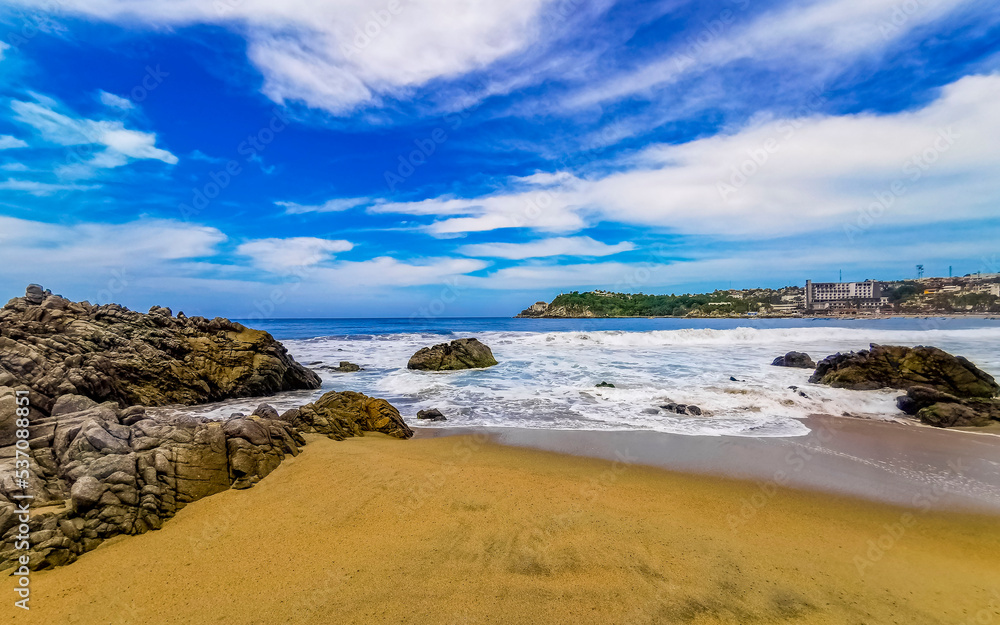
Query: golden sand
[(460, 531)]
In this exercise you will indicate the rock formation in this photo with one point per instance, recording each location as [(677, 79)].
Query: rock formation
[(340, 415), (891, 366), (459, 354), (347, 367), (98, 464), (799, 360), (942, 390), (96, 471), (431, 415), (53, 347), (538, 309)]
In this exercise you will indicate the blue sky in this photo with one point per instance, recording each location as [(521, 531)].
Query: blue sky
[(427, 158)]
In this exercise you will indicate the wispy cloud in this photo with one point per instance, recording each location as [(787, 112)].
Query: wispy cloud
[(559, 246), (337, 55), (330, 206), (8, 142), (121, 144), (114, 101), (42, 188), (780, 177), (281, 255)]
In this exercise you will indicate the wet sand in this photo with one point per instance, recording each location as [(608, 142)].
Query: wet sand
[(889, 461), (461, 530)]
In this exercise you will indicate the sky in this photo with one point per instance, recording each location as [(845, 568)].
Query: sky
[(434, 158)]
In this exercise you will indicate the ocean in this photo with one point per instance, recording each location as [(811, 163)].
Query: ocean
[(549, 369)]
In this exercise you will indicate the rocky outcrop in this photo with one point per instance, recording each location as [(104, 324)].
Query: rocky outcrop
[(941, 389), (347, 367), (934, 407), (98, 464), (686, 409), (54, 347), (339, 415), (459, 354), (97, 471), (538, 309), (891, 366), (431, 415), (799, 360)]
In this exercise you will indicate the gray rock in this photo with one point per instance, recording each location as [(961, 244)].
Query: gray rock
[(34, 294), (71, 403), (265, 411), (459, 354), (86, 492), (431, 415), (800, 360)]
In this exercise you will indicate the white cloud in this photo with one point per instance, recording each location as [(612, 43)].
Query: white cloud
[(330, 206), (114, 101), (42, 188), (121, 144), (3, 47), (559, 246), (809, 174), (8, 142), (92, 246), (340, 54), (281, 255), (390, 272), (14, 167)]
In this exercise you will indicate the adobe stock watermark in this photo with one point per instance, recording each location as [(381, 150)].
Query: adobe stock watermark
[(914, 168), (378, 22), (795, 461), (83, 154), (710, 32), (22, 510), (37, 21), (902, 12), (892, 533), (757, 157), (218, 181), (408, 163)]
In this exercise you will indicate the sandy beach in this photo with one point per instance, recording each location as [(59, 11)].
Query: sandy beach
[(462, 530)]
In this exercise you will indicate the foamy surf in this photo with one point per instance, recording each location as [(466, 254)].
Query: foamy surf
[(548, 379)]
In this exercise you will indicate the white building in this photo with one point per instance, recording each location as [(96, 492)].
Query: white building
[(835, 295)]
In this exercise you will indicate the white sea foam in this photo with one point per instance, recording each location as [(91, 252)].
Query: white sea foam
[(547, 380)]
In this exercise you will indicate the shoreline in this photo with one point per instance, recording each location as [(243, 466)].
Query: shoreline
[(984, 317), (461, 530), (891, 462)]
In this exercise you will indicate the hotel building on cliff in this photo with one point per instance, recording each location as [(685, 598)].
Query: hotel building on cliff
[(843, 295)]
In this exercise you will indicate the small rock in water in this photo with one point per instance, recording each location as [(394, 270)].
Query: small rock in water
[(732, 379), (347, 367), (605, 385), (800, 360), (432, 415)]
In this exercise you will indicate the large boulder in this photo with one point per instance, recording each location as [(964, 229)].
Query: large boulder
[(339, 415), (459, 354), (941, 389), (800, 360), (892, 366), (55, 347), (126, 472)]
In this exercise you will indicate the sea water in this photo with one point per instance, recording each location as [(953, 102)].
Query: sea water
[(549, 368)]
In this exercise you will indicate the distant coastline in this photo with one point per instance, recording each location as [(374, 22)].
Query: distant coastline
[(959, 297)]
